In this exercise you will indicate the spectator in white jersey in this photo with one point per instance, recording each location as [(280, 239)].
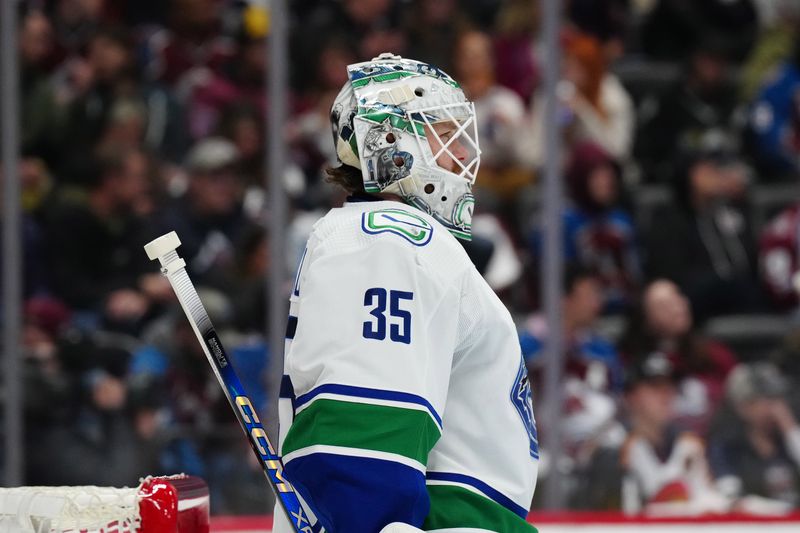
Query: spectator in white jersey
[(390, 321)]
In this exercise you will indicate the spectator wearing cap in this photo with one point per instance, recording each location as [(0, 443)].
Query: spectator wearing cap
[(755, 446), (209, 215), (666, 469), (703, 240), (662, 321)]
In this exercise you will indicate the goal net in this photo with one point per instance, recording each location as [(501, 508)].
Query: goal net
[(171, 504)]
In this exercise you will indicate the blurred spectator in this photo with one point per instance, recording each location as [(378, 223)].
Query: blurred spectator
[(36, 186), (663, 323), (598, 231), (699, 105), (779, 258), (246, 280), (209, 216), (499, 113), (206, 442), (590, 355), (95, 85), (238, 81), (75, 21), (674, 27), (775, 122), (432, 28), (667, 471), (606, 20), (755, 446), (309, 132), (495, 256), (780, 22), (109, 105), (593, 378), (594, 105), (703, 241), (192, 44), (91, 434), (94, 240), (369, 27), (47, 391), (242, 124), (591, 359), (40, 117), (516, 30)]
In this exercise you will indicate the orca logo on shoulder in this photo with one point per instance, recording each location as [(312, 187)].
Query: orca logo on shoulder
[(409, 226), (521, 398)]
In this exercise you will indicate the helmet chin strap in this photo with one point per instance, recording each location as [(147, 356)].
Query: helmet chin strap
[(408, 186)]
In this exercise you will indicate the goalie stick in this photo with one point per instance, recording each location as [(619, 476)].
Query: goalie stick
[(174, 268)]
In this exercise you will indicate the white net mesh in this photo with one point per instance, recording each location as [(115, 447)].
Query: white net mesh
[(69, 510)]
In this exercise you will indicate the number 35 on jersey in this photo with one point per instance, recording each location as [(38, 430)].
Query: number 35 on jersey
[(388, 315)]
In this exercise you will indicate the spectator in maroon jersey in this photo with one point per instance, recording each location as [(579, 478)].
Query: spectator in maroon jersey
[(779, 258), (662, 321)]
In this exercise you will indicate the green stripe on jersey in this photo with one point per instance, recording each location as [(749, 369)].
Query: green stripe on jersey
[(407, 432), (456, 507)]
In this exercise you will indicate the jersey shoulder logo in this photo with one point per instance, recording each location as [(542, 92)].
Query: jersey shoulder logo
[(521, 397), (400, 222)]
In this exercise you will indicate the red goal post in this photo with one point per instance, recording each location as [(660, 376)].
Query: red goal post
[(166, 504)]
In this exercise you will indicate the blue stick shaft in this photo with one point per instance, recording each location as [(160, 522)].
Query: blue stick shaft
[(240, 402)]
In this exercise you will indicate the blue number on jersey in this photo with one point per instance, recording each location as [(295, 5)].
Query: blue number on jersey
[(376, 329), (521, 398)]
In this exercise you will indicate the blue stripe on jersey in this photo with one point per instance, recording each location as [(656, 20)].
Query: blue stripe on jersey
[(287, 388), (291, 327), (485, 489), (359, 493), (364, 392)]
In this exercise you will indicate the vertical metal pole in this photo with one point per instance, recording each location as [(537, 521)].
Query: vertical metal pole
[(277, 82), (551, 279), (12, 247)]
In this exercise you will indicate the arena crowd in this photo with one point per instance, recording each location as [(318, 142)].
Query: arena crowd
[(680, 124)]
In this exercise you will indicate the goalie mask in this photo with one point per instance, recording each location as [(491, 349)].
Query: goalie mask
[(409, 128)]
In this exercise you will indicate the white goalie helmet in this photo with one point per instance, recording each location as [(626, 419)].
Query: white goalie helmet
[(386, 119)]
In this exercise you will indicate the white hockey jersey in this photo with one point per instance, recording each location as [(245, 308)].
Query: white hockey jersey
[(405, 398)]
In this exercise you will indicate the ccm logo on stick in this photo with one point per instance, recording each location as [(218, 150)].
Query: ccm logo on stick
[(259, 437)]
